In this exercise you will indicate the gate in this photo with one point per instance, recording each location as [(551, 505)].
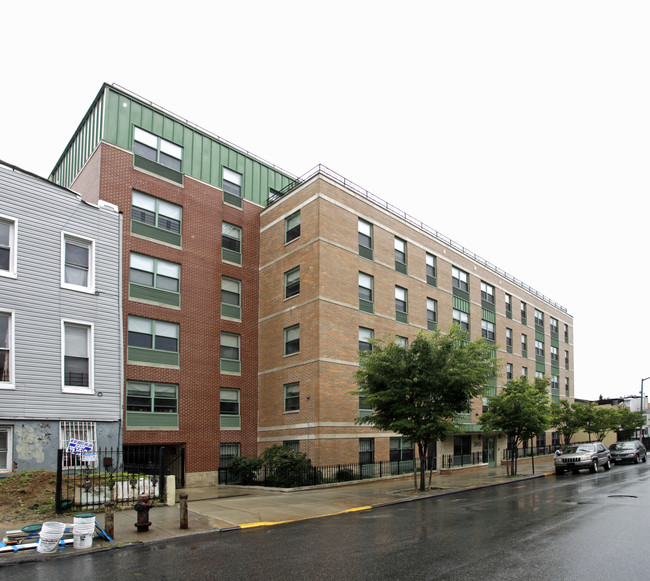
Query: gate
[(87, 481)]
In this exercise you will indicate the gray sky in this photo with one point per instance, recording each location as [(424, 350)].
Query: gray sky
[(519, 129)]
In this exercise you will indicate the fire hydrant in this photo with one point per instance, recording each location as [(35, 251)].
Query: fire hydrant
[(142, 508)]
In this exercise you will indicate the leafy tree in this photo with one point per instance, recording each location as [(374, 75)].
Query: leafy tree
[(520, 411), (563, 418), (605, 420), (586, 416), (418, 390), (629, 422)]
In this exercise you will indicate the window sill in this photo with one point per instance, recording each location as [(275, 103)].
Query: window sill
[(78, 390), (81, 289), (291, 412), (8, 274), (7, 386)]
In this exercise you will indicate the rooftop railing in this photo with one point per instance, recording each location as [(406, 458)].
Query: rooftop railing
[(325, 171)]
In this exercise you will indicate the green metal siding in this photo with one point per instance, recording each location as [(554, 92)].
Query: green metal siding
[(151, 420), (112, 117)]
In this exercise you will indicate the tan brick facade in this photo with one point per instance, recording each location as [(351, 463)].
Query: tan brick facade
[(327, 311)]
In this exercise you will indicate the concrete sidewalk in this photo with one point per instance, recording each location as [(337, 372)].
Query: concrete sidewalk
[(226, 508)]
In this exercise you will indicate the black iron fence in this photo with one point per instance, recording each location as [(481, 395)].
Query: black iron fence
[(528, 452), (459, 460), (94, 478), (311, 475)]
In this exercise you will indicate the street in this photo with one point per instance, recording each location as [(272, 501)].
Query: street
[(586, 526)]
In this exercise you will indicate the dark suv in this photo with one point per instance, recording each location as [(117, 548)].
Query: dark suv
[(580, 456)]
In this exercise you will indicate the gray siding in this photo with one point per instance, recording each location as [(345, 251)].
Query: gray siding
[(39, 303)]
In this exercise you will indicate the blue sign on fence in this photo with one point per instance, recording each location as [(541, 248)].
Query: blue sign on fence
[(79, 447)]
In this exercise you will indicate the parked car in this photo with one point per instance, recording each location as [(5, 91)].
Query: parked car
[(628, 451), (577, 457)]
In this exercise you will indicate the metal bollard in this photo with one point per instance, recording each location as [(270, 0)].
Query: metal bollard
[(142, 508), (184, 521)]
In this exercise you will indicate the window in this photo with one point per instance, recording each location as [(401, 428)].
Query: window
[(293, 445), (229, 353), (78, 258), (232, 187), (6, 447), (153, 279), (85, 432), (524, 345), (365, 239), (401, 450), (539, 348), (539, 318), (402, 341), (6, 350), (292, 397), (461, 318), (292, 227), (77, 357), (508, 301), (151, 405), (566, 357), (229, 416), (566, 333), (292, 340), (292, 283), (459, 279), (487, 330), (7, 246), (555, 384), (508, 371), (366, 293), (431, 269), (227, 452), (157, 149), (509, 340), (230, 298), (487, 293), (432, 314), (523, 313), (365, 339), (230, 243), (400, 255), (401, 304), (365, 409), (366, 450), (151, 341), (524, 371), (566, 386), (156, 219), (555, 355), (554, 326)]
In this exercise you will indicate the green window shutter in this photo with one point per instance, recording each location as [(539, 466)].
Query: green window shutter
[(160, 234), (230, 366), (230, 256), (229, 421), (461, 304), (230, 311), (151, 420), (233, 200), (366, 306), (157, 168), (365, 252)]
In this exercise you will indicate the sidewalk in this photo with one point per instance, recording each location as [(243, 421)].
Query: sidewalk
[(227, 508)]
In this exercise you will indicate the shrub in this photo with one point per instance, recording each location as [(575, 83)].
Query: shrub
[(245, 469)]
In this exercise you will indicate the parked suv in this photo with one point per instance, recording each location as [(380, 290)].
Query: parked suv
[(580, 456), (628, 451)]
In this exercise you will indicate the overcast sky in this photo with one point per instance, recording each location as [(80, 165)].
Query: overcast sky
[(518, 129)]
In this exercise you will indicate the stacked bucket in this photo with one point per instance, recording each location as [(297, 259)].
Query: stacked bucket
[(83, 530), (50, 536)]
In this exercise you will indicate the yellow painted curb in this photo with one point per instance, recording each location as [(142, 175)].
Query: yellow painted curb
[(251, 525)]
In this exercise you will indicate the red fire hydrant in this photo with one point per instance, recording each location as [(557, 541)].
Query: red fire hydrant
[(142, 508)]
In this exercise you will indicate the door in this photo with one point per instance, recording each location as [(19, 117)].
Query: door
[(490, 450)]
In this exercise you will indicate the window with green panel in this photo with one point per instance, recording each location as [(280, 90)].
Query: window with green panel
[(154, 279), (152, 341), (156, 219), (230, 298), (230, 353), (151, 404)]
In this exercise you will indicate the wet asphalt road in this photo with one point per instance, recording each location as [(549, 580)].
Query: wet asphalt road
[(586, 526)]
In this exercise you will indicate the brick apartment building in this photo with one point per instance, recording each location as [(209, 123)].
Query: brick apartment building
[(338, 267), (243, 318)]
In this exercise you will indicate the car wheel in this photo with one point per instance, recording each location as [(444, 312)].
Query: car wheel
[(594, 466), (607, 465), (636, 459), (559, 471), (644, 458)]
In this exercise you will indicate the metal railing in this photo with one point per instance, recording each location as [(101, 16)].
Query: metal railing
[(312, 475), (321, 169), (528, 452), (459, 460)]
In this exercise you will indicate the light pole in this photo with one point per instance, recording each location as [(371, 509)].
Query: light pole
[(642, 406), (308, 400)]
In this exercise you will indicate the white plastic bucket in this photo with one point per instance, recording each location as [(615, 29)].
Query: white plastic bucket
[(49, 537), (83, 530)]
